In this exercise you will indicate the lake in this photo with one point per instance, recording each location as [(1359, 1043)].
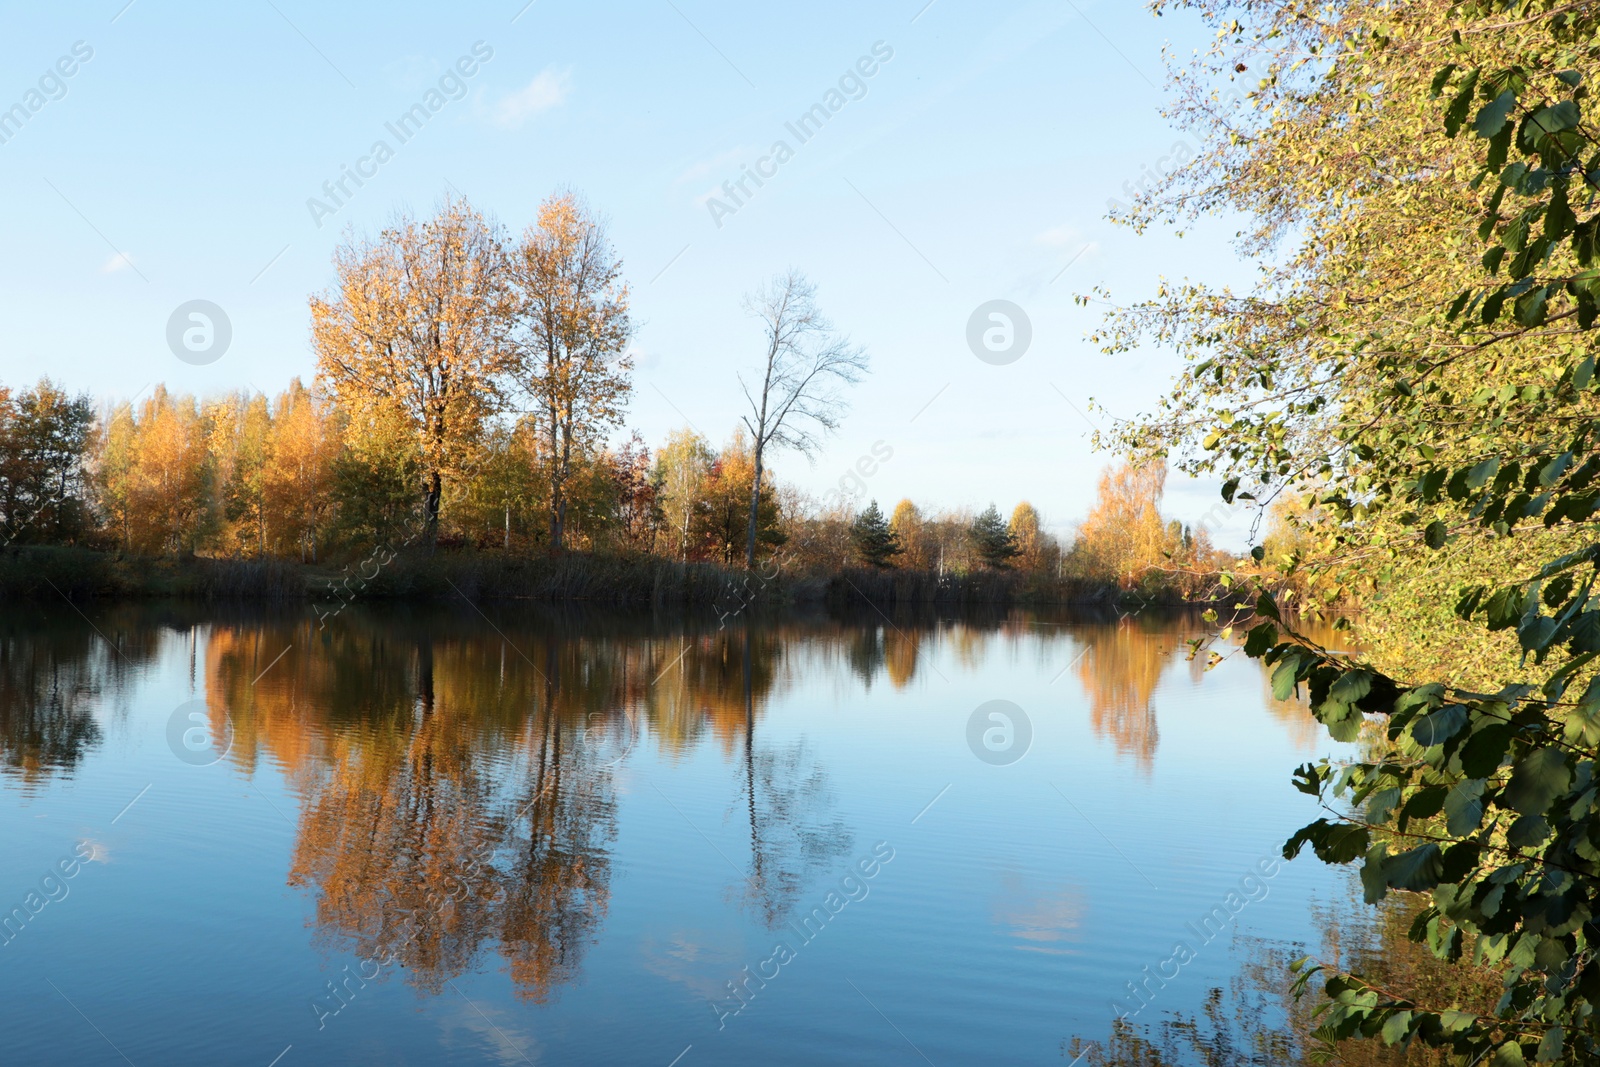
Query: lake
[(551, 836)]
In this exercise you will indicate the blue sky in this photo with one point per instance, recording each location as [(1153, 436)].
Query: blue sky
[(973, 165)]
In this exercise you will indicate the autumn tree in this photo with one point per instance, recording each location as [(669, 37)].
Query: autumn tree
[(44, 436), (682, 467), (796, 395), (240, 441), (906, 523), (411, 338), (1124, 535), (375, 478), (874, 541), (154, 474), (720, 524), (568, 337), (638, 495), (1037, 550), (1420, 347), (299, 475), (503, 500)]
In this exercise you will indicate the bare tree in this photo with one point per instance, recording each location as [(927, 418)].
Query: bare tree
[(570, 336), (800, 397)]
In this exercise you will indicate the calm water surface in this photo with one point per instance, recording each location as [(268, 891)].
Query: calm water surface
[(545, 837)]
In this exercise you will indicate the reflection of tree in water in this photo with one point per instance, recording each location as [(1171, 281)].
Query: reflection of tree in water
[(466, 811), (46, 724), (562, 869), (1120, 667), (786, 798), (1257, 1020), (458, 779), (900, 648), (866, 654), (55, 669)]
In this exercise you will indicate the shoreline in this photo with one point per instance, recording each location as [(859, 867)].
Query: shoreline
[(29, 573)]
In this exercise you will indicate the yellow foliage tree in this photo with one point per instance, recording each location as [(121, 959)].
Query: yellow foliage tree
[(1123, 536), (411, 336), (299, 474)]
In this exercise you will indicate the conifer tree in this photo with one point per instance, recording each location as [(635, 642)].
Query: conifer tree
[(875, 543), (992, 539)]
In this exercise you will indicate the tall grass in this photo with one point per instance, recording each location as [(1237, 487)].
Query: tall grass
[(80, 573)]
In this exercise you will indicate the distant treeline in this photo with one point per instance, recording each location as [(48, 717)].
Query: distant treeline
[(242, 477), (470, 396)]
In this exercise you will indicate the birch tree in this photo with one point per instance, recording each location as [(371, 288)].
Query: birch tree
[(682, 466), (569, 337), (798, 397)]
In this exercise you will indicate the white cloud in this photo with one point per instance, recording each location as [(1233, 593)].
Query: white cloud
[(547, 90), (726, 161), (116, 263)]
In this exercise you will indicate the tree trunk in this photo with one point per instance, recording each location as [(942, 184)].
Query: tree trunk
[(560, 459), (431, 509), (558, 517), (755, 509)]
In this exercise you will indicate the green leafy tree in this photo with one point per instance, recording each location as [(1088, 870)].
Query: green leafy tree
[(1425, 359), (874, 542), (993, 540), (44, 436)]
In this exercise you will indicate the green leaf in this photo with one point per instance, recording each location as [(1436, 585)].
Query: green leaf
[(1437, 727), (1373, 883), (1463, 807), (1259, 639), (1435, 534), (1538, 779), (1456, 113), (1480, 473), (1425, 803), (1508, 1055), (1527, 832), (1583, 722), (1416, 869), (1440, 77), (1396, 1028), (1532, 306), (1351, 686), (1493, 115), (1492, 306), (1548, 120), (1551, 1046), (1286, 678), (1486, 750)]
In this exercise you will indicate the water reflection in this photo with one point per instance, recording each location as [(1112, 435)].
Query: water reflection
[(1120, 666), (460, 777), (680, 681), (55, 672), (1256, 1019)]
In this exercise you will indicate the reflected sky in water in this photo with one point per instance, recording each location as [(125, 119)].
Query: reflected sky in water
[(426, 836)]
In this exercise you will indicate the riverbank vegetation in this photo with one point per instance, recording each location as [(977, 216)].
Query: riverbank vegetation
[(466, 429), (1414, 370)]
